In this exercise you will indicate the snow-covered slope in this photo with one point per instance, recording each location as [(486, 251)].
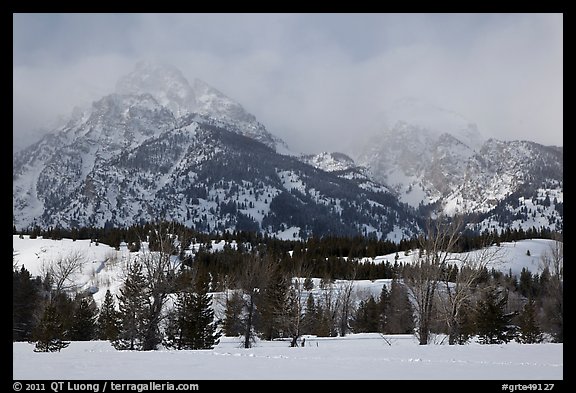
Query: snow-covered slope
[(329, 162), (104, 266), (203, 176)]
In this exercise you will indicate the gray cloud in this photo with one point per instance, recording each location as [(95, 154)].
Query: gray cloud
[(319, 81)]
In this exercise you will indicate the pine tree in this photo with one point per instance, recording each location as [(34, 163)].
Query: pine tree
[(273, 306), (465, 323), (195, 317), (25, 303), (208, 333), (400, 317), (308, 284), (133, 303), (525, 285), (529, 332), (310, 320), (108, 319), (84, 321), (172, 331), (383, 307), (493, 324), (49, 334), (65, 308), (367, 317), (324, 326), (232, 325)]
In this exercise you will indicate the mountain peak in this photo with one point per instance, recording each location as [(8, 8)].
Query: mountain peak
[(435, 120), (168, 86), (164, 82)]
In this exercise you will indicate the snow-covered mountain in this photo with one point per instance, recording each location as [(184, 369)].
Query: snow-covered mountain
[(160, 149), (449, 167)]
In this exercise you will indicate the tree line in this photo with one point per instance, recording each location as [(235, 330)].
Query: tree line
[(325, 246), (288, 289)]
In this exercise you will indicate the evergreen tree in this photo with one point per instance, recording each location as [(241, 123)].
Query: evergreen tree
[(310, 320), (529, 332), (133, 303), (383, 307), (400, 315), (195, 317), (273, 306), (493, 323), (367, 317), (232, 325), (172, 331), (308, 284), (108, 319), (465, 323), (324, 326), (49, 334), (65, 308), (84, 321), (208, 334), (26, 296)]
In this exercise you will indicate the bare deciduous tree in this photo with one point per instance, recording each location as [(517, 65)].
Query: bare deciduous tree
[(297, 299), (337, 304), (62, 270), (423, 279), (553, 262), (345, 300), (159, 261), (254, 275), (160, 270), (458, 288)]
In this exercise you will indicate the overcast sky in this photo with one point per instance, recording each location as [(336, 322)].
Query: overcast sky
[(318, 81)]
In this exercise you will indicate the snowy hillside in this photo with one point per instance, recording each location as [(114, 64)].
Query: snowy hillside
[(205, 177), (104, 266), (329, 162)]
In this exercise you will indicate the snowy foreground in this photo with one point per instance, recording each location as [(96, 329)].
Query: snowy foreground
[(357, 356)]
